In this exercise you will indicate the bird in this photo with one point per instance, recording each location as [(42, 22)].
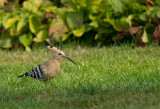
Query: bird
[(49, 69)]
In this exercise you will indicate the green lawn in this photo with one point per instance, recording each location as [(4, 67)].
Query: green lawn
[(116, 77)]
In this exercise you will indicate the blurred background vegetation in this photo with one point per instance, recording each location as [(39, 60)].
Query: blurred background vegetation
[(92, 22)]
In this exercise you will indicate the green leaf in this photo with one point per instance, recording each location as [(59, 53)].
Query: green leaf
[(41, 36), (26, 39), (28, 49), (14, 32), (79, 32), (58, 38), (158, 14), (87, 27), (118, 24), (124, 22), (34, 24), (154, 11), (11, 21), (143, 16), (6, 42), (91, 17), (83, 3), (49, 9), (46, 26), (129, 20), (32, 5), (74, 20), (144, 36), (97, 36), (94, 23), (57, 27), (73, 4), (116, 5), (97, 6), (21, 23), (5, 18), (65, 36)]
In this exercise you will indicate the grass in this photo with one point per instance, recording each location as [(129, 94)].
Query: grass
[(116, 77)]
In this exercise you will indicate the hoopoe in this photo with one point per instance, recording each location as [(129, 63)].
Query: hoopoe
[(48, 69)]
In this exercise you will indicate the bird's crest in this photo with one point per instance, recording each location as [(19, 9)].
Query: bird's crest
[(54, 49)]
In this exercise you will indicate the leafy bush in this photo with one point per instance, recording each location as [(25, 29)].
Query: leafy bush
[(103, 21)]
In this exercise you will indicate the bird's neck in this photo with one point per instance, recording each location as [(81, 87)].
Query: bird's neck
[(55, 62), (56, 59)]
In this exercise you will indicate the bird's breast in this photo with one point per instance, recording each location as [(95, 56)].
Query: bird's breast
[(54, 69)]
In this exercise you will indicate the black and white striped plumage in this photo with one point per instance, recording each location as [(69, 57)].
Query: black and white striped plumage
[(35, 73)]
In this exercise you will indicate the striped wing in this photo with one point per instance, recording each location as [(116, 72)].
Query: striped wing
[(36, 73)]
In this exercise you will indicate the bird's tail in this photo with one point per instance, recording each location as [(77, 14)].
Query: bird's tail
[(24, 75)]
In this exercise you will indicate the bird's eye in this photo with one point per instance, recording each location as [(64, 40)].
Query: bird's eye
[(59, 54)]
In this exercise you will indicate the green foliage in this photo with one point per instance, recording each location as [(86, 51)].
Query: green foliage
[(41, 36), (34, 24), (104, 20), (26, 40)]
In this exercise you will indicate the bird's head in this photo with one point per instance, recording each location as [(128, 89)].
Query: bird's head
[(58, 54)]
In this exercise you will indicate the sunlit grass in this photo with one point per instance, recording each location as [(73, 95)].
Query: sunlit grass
[(116, 77)]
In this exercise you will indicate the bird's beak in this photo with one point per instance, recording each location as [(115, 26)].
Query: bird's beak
[(69, 59)]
